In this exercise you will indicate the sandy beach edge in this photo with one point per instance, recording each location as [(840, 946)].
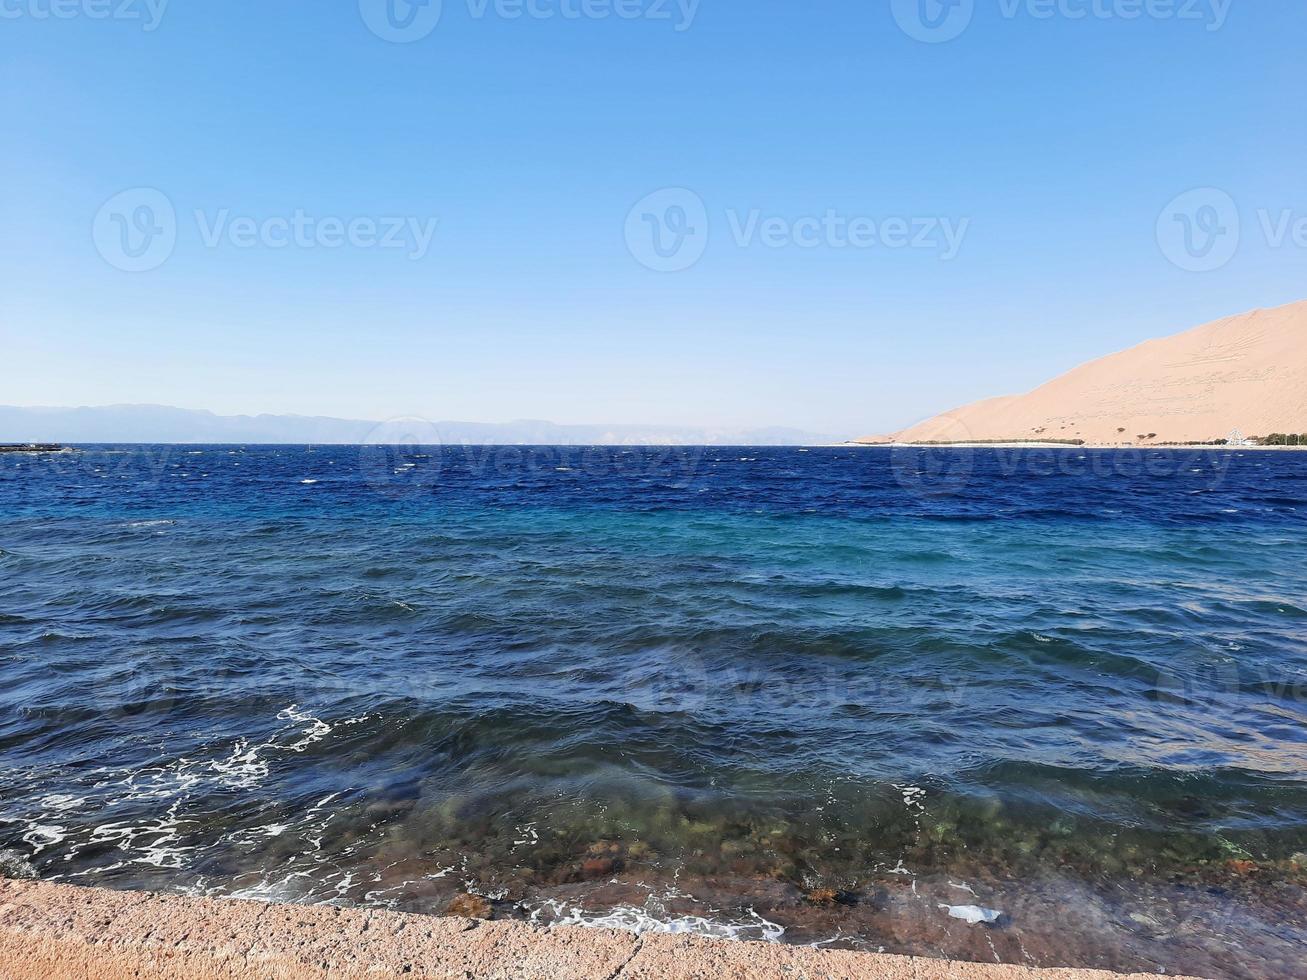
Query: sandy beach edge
[(60, 932), (1115, 446)]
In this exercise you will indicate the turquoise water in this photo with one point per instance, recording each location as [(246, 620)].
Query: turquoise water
[(803, 695)]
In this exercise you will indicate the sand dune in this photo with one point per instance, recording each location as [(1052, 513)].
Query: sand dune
[(1246, 373)]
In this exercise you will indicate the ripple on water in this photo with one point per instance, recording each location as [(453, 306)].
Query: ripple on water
[(765, 694)]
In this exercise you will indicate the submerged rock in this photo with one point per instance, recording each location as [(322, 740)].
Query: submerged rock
[(598, 867), (14, 864), (469, 906)]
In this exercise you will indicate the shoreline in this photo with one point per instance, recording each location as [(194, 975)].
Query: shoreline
[(61, 932), (1116, 447), (33, 448)]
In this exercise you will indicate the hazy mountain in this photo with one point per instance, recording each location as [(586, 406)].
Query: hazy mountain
[(161, 424), (1246, 373)]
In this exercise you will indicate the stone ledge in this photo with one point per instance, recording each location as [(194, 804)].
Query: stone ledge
[(62, 932)]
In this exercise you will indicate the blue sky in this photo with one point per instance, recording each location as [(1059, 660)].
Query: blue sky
[(1049, 145)]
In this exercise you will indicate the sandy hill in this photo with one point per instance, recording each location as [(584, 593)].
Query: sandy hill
[(1246, 373)]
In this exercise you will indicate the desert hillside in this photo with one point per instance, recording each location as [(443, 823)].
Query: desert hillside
[(1246, 373)]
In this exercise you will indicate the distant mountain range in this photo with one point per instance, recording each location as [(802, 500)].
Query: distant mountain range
[(1244, 375), (161, 424)]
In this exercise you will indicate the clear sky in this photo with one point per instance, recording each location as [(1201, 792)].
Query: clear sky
[(1034, 160)]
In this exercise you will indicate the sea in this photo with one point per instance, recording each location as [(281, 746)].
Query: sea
[(1044, 706)]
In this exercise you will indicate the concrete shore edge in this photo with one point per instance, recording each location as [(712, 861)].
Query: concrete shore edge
[(63, 932)]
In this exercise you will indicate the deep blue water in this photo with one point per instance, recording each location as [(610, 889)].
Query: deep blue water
[(814, 695)]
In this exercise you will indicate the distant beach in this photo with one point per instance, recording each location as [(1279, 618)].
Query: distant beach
[(1022, 444)]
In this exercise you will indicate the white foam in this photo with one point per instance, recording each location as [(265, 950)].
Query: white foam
[(60, 802), (273, 891), (43, 835), (156, 842), (161, 840), (243, 769), (653, 918)]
